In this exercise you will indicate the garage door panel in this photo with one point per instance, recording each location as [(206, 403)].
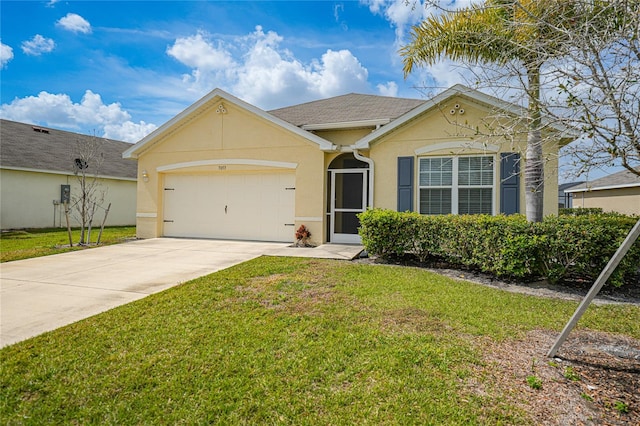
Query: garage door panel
[(187, 200), (250, 206)]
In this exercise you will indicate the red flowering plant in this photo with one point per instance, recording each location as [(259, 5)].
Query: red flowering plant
[(302, 237)]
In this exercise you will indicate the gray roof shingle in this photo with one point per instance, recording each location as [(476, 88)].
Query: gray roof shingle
[(623, 178), (346, 108), (40, 148)]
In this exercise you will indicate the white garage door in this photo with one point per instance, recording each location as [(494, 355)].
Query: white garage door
[(248, 206)]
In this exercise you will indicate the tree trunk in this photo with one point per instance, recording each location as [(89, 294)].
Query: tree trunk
[(534, 162)]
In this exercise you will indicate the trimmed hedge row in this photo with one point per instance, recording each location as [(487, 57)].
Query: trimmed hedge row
[(560, 248), (580, 211)]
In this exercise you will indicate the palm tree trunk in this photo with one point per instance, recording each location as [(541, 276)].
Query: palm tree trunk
[(534, 161)]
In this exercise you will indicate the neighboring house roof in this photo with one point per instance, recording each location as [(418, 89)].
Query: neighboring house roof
[(37, 148), (623, 179), (206, 101), (352, 108), (564, 186)]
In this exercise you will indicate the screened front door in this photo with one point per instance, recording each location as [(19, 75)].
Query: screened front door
[(348, 198)]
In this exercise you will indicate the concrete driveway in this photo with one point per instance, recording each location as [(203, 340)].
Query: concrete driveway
[(42, 294)]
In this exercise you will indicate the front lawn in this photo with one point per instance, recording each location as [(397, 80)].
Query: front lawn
[(293, 341), (27, 243)]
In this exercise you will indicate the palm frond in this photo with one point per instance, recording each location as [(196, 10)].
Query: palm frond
[(477, 34)]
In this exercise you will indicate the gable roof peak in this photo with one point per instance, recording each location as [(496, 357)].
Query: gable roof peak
[(457, 89), (201, 103)]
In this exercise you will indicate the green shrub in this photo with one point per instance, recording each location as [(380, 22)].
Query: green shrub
[(387, 233), (581, 246), (559, 249), (579, 211)]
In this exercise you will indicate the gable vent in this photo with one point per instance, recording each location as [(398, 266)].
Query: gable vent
[(40, 129)]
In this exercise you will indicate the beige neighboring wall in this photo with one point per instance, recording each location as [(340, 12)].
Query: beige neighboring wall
[(620, 200), (231, 142), (451, 135), (28, 200)]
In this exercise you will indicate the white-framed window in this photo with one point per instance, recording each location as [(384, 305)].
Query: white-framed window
[(458, 185)]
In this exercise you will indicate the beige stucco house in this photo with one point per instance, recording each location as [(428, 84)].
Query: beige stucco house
[(618, 192), (37, 172), (226, 169)]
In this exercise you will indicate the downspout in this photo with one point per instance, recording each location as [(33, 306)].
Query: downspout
[(369, 161)]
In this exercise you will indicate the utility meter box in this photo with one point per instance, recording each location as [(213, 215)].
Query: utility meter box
[(65, 194)]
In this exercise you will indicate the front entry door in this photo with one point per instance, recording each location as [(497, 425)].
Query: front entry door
[(348, 198)]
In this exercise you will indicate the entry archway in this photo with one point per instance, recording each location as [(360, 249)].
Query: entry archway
[(348, 180)]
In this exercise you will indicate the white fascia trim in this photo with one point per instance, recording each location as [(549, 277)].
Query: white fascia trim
[(601, 188), (457, 145), (308, 219), (151, 215), (136, 149), (55, 172), (347, 124), (227, 161)]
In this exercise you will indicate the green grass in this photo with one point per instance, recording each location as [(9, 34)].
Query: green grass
[(285, 341), (27, 243)]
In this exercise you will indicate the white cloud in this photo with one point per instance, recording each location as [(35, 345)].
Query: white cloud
[(199, 52), (38, 45), (6, 54), (388, 89), (75, 23), (446, 73), (52, 3), (375, 6), (401, 14), (340, 72), (338, 9), (128, 131), (58, 110), (265, 74)]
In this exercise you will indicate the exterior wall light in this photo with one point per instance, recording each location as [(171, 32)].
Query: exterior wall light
[(145, 176)]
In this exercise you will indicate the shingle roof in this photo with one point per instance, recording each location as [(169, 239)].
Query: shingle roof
[(346, 108), (616, 180), (38, 148), (568, 185)]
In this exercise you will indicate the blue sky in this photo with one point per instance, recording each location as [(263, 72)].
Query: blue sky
[(119, 69)]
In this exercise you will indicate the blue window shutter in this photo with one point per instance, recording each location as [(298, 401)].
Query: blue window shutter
[(509, 182), (405, 184)]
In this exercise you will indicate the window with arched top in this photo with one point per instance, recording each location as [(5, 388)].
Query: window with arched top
[(347, 161)]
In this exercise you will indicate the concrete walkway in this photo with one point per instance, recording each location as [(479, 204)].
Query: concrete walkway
[(42, 294)]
